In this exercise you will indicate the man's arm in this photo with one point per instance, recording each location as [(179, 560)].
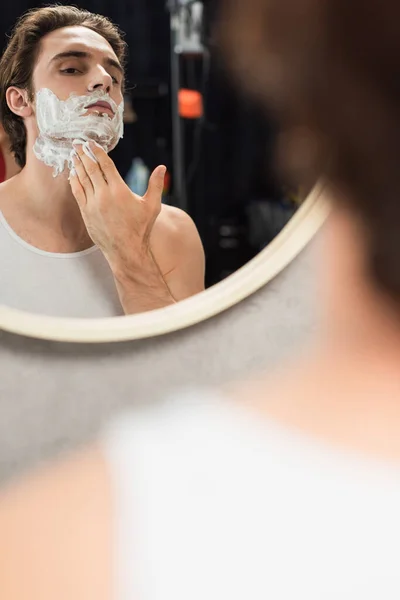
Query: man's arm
[(172, 271), (178, 250), (151, 269)]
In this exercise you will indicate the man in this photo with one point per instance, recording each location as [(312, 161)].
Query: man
[(81, 244)]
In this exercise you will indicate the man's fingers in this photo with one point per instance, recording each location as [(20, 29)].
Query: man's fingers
[(90, 165), (156, 184), (109, 169), (83, 177), (77, 189)]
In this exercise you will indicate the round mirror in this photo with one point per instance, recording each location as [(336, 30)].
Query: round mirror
[(98, 242)]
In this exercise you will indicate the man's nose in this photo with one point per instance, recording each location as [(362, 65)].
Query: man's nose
[(100, 80)]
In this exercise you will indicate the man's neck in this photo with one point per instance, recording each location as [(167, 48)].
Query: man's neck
[(45, 209)]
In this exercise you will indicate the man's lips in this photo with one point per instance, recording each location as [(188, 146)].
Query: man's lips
[(101, 105)]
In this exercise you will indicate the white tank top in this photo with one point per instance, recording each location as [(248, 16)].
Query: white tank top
[(214, 503), (78, 284)]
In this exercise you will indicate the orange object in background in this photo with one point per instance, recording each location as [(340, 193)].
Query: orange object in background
[(190, 104)]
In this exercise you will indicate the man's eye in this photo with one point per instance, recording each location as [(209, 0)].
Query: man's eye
[(115, 79), (70, 71)]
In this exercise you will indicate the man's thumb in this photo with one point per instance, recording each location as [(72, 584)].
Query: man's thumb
[(156, 182)]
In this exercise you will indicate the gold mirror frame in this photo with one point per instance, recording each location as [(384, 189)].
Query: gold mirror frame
[(247, 280)]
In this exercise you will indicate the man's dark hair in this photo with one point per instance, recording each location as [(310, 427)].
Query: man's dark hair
[(19, 59)]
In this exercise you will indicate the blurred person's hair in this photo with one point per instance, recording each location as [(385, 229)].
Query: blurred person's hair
[(19, 59), (330, 69)]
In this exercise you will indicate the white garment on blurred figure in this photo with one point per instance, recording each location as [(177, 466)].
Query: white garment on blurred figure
[(215, 503)]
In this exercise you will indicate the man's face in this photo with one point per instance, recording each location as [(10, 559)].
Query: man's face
[(80, 61)]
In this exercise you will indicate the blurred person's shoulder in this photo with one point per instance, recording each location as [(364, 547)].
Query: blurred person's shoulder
[(319, 397)]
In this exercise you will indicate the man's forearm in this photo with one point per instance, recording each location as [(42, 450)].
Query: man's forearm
[(140, 285)]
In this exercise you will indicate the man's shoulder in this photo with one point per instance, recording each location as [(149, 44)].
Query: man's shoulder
[(4, 194), (8, 191), (175, 241), (175, 226), (171, 217)]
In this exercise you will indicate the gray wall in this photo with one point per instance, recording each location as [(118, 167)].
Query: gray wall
[(56, 396)]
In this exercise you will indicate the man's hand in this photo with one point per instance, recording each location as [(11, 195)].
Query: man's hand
[(120, 223)]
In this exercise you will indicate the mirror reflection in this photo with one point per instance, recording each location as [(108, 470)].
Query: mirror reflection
[(132, 171)]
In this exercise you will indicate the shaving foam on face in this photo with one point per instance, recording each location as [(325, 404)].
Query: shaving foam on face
[(62, 122)]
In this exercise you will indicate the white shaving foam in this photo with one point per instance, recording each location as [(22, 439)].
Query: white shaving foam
[(62, 122)]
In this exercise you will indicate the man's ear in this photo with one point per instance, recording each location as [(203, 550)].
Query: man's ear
[(18, 102)]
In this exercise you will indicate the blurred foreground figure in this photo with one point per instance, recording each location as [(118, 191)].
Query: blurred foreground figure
[(287, 487)]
